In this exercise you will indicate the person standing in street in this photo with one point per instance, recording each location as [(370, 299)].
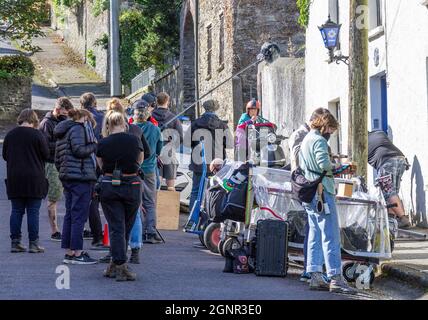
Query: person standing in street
[(25, 150), (153, 136), (388, 160), (75, 161), (136, 238), (295, 143), (172, 132), (119, 155), (47, 126), (324, 233), (216, 136), (89, 102)]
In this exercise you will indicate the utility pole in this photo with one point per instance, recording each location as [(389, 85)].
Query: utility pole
[(115, 85), (358, 86)]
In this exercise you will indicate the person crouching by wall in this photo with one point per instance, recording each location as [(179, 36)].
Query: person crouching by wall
[(324, 233), (75, 161), (119, 155), (25, 151)]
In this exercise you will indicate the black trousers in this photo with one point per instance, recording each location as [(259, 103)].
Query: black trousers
[(95, 221), (120, 205)]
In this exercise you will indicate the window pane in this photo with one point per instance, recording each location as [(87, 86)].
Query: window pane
[(221, 40), (209, 50)]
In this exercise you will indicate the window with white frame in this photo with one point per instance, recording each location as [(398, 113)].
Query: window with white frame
[(334, 14), (333, 10), (375, 13), (336, 138)]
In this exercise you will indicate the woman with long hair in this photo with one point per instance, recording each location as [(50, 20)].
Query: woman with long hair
[(75, 160)]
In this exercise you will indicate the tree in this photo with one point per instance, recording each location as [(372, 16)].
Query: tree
[(149, 36), (23, 20)]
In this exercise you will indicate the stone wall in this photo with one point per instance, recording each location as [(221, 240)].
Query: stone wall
[(81, 29), (255, 23), (247, 25), (15, 95), (209, 17), (282, 91)]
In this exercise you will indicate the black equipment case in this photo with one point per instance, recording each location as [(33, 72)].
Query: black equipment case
[(271, 248)]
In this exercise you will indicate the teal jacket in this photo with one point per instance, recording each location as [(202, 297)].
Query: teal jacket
[(245, 117), (314, 156), (153, 137)]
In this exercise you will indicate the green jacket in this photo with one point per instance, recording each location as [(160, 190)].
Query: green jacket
[(314, 156)]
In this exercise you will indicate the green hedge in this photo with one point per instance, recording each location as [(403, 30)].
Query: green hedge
[(18, 65)]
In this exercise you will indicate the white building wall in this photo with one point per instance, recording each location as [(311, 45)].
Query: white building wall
[(326, 82), (402, 45)]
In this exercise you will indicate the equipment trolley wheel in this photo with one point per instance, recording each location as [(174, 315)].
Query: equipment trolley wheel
[(353, 270), (212, 237), (203, 225), (228, 244)]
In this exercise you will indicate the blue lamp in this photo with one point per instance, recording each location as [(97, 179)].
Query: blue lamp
[(330, 35)]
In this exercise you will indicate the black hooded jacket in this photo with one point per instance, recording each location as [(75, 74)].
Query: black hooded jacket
[(206, 126), (73, 153), (47, 126), (163, 116)]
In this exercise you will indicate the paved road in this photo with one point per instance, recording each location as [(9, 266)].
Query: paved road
[(174, 270)]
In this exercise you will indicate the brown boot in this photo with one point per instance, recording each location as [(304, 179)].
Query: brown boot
[(111, 270), (123, 273), (35, 248)]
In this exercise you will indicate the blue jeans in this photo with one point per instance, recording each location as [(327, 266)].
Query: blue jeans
[(324, 238), (136, 237), (19, 206), (305, 246), (77, 201), (196, 180)]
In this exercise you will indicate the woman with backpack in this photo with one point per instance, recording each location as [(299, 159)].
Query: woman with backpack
[(324, 233), (76, 163)]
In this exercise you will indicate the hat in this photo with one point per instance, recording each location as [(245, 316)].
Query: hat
[(211, 105), (253, 104), (140, 104), (150, 98)]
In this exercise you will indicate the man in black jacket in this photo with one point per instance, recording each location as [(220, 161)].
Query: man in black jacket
[(216, 137), (389, 161), (172, 133), (47, 126)]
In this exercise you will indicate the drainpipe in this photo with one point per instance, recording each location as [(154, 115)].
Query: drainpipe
[(196, 31)]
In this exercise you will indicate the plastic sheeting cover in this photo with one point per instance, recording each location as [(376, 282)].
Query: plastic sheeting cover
[(363, 220)]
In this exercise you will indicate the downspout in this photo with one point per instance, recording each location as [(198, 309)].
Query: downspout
[(386, 43)]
